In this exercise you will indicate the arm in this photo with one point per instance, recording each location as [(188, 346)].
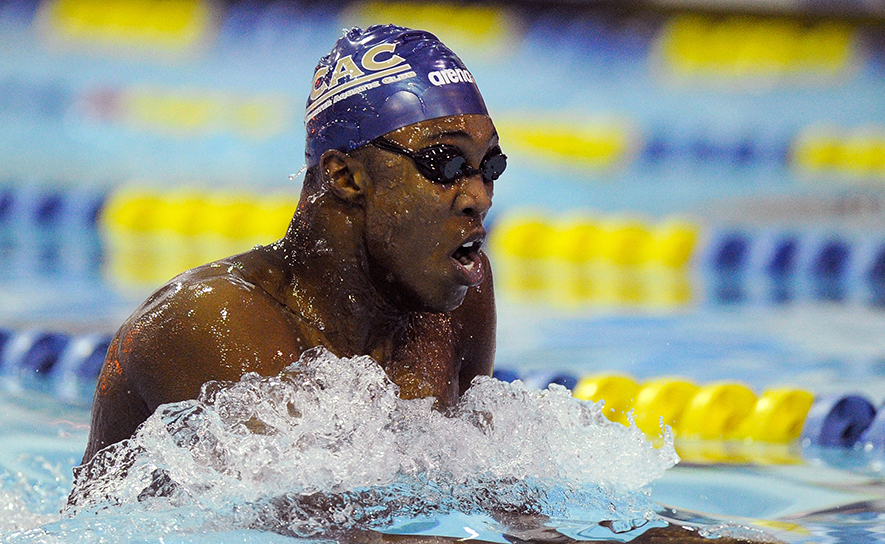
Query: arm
[(117, 410), (474, 324)]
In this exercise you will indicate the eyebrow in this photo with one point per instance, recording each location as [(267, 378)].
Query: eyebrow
[(443, 132), (459, 133)]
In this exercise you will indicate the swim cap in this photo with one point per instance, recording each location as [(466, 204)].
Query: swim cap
[(381, 79)]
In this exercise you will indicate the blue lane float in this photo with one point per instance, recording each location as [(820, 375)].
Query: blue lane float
[(79, 365), (876, 271), (541, 379), (65, 365), (505, 375), (826, 266), (874, 435), (729, 252), (775, 254), (30, 352), (50, 231), (705, 147), (538, 379), (25, 205), (831, 259), (838, 420), (784, 253), (5, 335), (42, 352)]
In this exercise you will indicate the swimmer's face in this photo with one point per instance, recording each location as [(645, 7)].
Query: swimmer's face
[(424, 235)]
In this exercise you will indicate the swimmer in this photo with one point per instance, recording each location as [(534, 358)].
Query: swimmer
[(383, 256)]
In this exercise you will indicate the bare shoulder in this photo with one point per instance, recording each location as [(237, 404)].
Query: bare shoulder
[(210, 323), (474, 324)]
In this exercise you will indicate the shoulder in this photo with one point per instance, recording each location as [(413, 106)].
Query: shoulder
[(208, 292), (198, 297), (210, 323)]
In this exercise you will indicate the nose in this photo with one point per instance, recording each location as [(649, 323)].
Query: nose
[(474, 197)]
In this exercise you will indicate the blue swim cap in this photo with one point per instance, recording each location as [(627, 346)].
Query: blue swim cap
[(381, 79)]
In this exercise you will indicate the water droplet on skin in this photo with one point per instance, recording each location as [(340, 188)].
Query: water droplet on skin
[(316, 196), (321, 246), (299, 173)]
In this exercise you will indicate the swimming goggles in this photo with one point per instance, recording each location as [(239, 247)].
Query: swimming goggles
[(445, 163)]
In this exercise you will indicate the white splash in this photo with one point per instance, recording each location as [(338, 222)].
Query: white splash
[(328, 445)]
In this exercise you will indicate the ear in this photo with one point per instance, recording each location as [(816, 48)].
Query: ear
[(343, 175)]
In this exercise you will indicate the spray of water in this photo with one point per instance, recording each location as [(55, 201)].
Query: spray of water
[(299, 173), (328, 445)]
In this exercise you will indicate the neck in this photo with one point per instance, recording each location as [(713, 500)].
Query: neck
[(330, 286)]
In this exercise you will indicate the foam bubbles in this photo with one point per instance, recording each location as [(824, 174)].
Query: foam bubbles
[(16, 515), (329, 445)]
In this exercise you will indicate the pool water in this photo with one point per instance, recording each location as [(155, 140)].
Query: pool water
[(679, 204), (329, 446), (702, 322), (794, 492)]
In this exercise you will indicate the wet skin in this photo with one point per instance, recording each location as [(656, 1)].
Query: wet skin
[(370, 265)]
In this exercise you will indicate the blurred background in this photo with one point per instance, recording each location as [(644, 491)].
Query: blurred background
[(691, 225), (695, 187)]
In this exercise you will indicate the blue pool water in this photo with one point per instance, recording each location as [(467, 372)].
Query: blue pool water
[(631, 119), (796, 493)]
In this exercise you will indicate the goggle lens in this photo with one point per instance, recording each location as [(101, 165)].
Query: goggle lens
[(493, 165), (445, 163)]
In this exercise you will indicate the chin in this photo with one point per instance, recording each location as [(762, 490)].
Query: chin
[(452, 302), (437, 295), (435, 302)]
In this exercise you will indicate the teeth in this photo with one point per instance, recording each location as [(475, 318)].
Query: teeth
[(465, 252)]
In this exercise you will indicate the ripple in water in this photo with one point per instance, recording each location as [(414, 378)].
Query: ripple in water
[(328, 445)]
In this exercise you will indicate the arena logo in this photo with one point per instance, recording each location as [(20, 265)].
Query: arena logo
[(350, 76), (452, 75)]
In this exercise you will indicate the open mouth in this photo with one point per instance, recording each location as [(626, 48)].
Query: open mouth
[(468, 261)]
